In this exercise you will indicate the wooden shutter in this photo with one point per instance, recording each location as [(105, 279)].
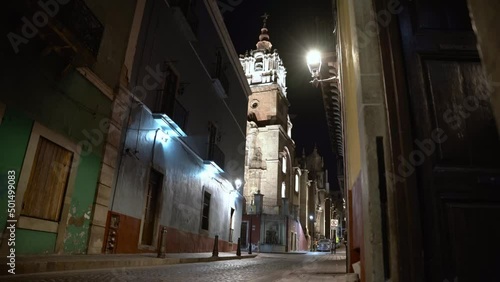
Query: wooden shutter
[(48, 180)]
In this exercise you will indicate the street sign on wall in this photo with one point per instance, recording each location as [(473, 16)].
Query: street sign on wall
[(334, 222)]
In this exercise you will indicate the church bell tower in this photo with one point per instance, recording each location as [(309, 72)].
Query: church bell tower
[(269, 147), (266, 76)]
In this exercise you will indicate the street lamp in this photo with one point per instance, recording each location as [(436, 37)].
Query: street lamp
[(313, 59), (238, 183), (311, 217)]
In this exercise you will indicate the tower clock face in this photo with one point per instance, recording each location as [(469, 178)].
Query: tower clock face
[(254, 104)]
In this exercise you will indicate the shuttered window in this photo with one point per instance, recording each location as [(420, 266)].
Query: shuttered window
[(48, 180)]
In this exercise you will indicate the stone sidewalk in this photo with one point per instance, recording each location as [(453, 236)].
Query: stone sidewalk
[(47, 263), (322, 268)]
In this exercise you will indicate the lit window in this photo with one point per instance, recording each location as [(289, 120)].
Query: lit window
[(297, 183), (283, 190), (283, 164)]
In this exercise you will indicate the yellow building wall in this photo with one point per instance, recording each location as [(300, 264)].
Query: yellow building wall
[(349, 84)]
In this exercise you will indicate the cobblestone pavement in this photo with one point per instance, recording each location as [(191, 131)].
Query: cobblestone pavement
[(322, 268), (265, 267)]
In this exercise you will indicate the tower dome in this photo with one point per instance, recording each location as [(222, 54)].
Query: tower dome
[(264, 43)]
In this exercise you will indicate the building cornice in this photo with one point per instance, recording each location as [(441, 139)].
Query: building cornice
[(332, 101)]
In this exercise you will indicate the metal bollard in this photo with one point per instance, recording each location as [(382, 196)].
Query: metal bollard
[(238, 250), (215, 252), (161, 239)]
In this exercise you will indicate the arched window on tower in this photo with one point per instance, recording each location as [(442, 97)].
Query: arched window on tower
[(297, 183), (259, 63), (283, 164), (283, 190), (259, 66)]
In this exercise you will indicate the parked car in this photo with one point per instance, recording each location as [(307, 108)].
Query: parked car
[(324, 245)]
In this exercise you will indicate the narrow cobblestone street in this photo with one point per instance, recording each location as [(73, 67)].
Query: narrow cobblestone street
[(265, 267)]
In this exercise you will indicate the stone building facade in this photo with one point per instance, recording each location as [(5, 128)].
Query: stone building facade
[(277, 188), (62, 76), (181, 166), (319, 191), (122, 133), (419, 105)]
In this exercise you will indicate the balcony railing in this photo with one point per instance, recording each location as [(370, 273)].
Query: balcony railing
[(180, 115), (69, 29), (216, 155), (81, 21), (170, 106)]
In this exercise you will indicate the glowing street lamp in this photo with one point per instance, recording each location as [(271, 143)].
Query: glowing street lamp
[(238, 183), (313, 240), (313, 59)]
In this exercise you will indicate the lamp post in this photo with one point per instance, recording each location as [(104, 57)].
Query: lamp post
[(314, 59), (250, 237), (311, 217)]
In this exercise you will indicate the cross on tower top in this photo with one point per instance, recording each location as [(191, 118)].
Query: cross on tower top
[(265, 17)]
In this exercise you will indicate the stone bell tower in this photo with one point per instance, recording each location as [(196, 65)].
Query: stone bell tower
[(266, 76), (269, 148)]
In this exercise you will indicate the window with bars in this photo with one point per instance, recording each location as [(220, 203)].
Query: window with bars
[(212, 138), (166, 97), (215, 154), (219, 71), (83, 23), (206, 210)]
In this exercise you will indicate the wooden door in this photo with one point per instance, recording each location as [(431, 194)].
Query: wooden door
[(243, 234), (151, 208), (44, 196), (456, 156)]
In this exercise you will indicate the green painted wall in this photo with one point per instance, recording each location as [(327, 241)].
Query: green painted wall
[(67, 103), (12, 151), (76, 237), (15, 131), (63, 101), (34, 242)]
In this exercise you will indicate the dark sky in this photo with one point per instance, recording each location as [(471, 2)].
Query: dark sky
[(292, 32)]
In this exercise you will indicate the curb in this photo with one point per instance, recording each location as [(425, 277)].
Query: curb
[(57, 266)]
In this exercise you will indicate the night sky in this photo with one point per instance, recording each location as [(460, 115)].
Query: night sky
[(292, 32)]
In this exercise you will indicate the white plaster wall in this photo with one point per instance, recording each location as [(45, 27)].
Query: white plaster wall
[(180, 160), (184, 179)]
